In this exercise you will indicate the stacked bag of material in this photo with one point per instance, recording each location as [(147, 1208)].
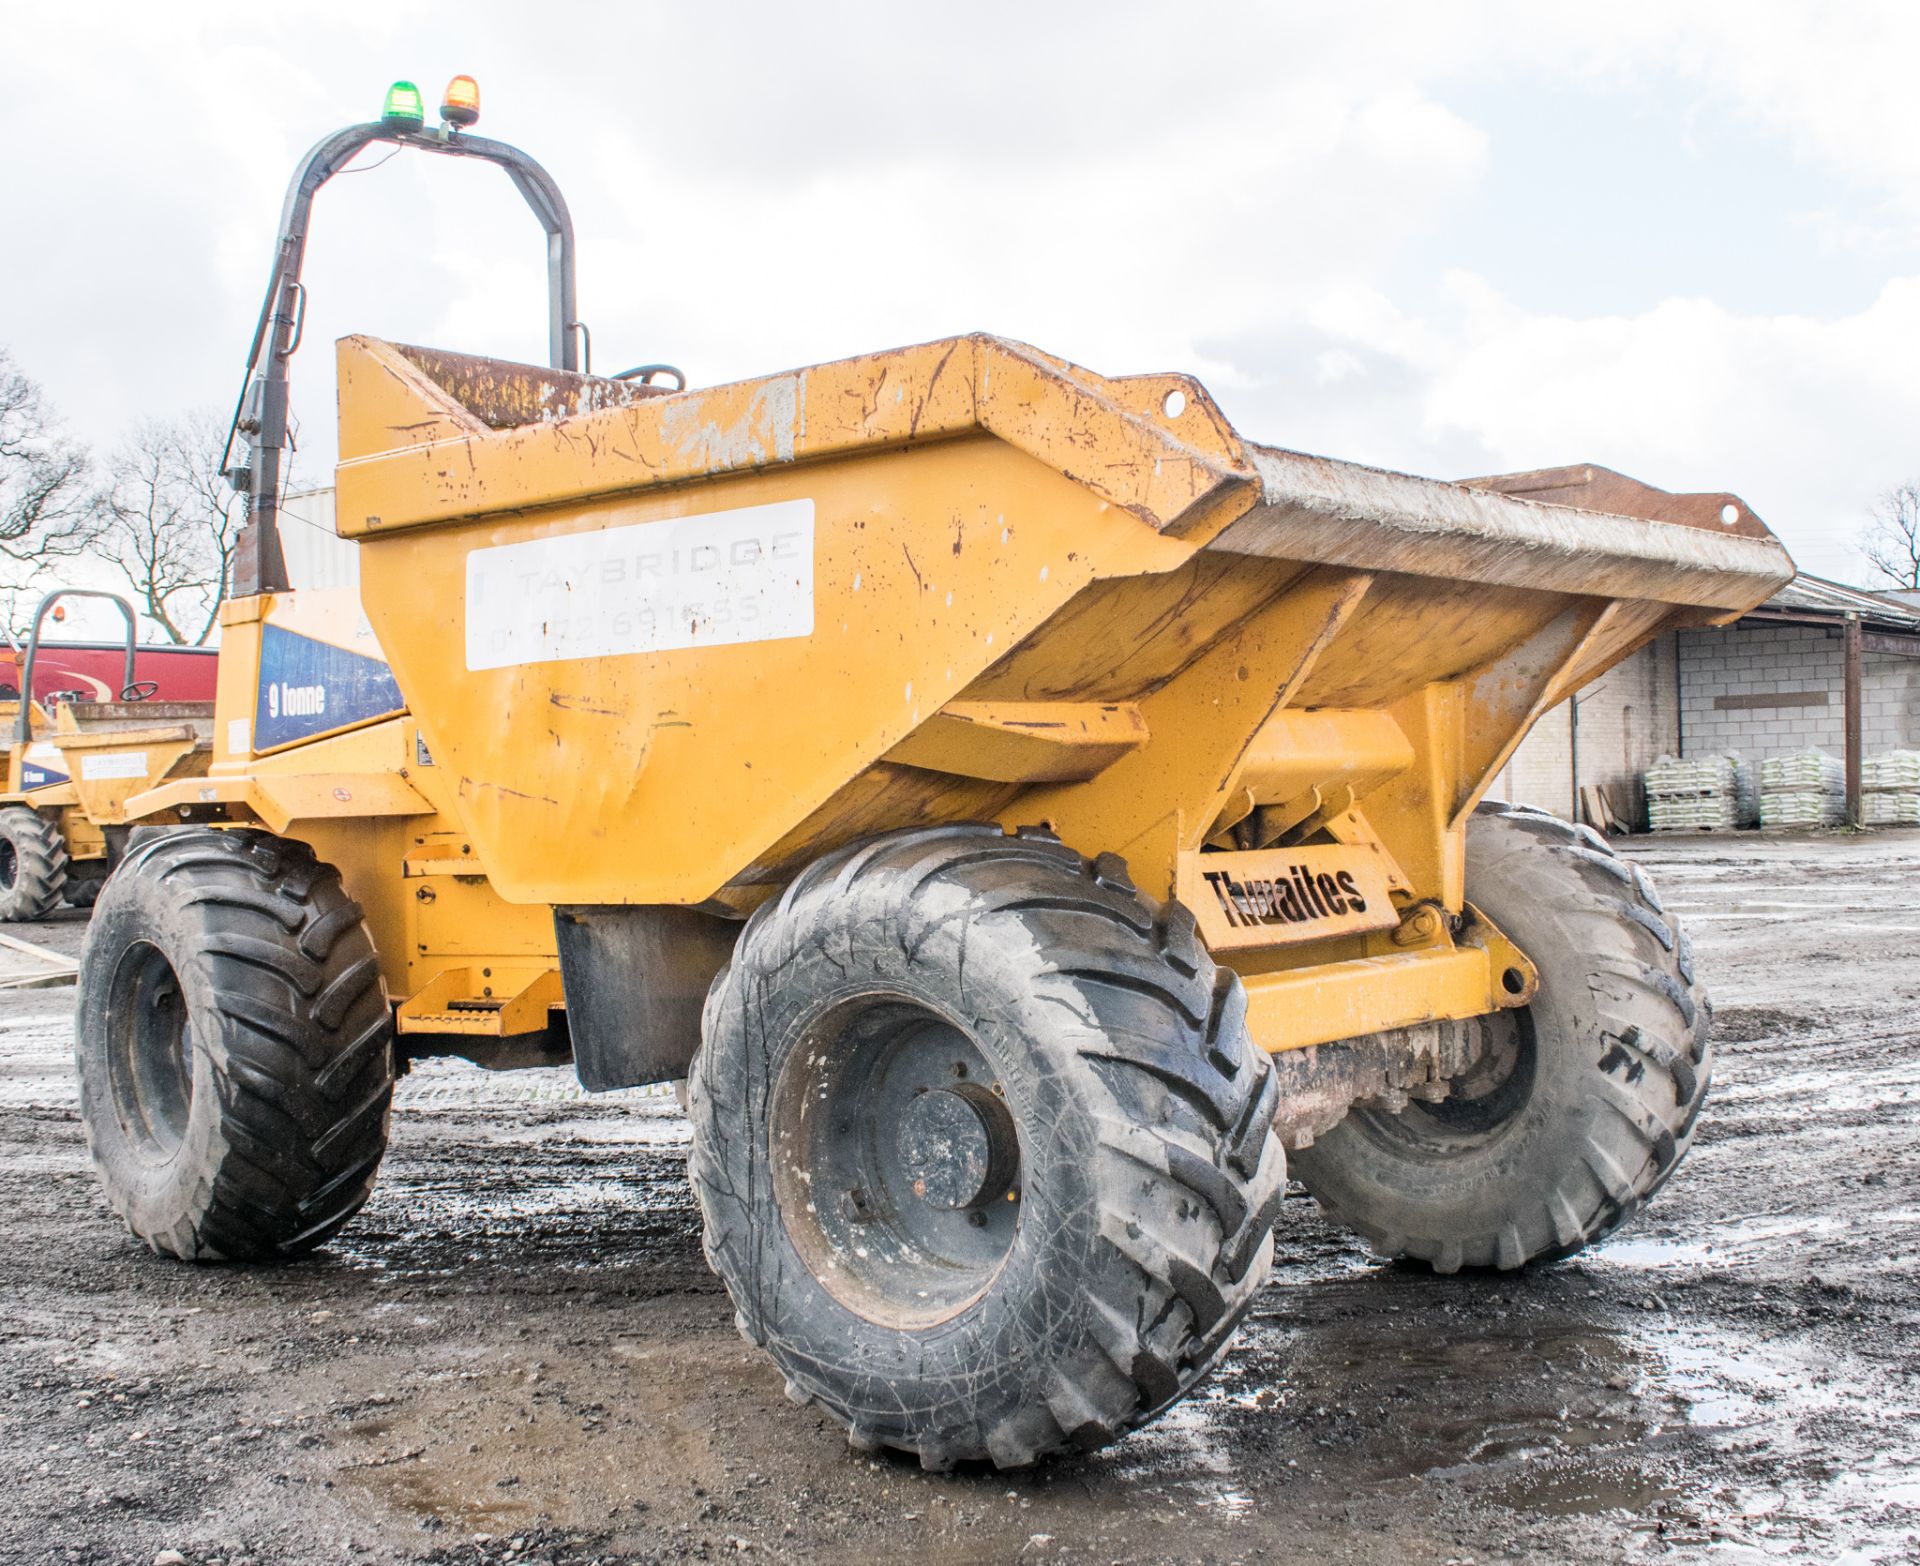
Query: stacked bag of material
[(1805, 789), (1890, 809), (1701, 794), (1891, 789)]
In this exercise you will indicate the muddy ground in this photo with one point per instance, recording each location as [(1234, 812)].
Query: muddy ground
[(517, 1354)]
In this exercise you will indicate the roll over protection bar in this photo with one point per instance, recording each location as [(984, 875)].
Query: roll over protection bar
[(260, 563), (23, 723)]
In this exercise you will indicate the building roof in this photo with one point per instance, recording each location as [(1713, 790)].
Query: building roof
[(1815, 598)]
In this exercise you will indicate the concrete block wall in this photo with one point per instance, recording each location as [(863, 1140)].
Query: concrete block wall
[(1728, 675), (1541, 771), (1627, 722), (1717, 684), (1629, 719)]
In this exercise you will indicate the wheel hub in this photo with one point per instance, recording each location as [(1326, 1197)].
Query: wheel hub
[(959, 1147), (896, 1160), (150, 1053)]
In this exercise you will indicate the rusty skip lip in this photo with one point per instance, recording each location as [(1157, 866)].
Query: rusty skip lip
[(1176, 473), (1343, 513)]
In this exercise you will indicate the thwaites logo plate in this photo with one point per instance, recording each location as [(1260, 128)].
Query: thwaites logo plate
[(1279, 896)]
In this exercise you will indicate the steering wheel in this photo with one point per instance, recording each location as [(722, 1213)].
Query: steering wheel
[(140, 690), (644, 374)]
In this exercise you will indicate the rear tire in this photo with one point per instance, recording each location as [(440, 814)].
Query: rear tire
[(33, 864), (233, 1044), (983, 1147), (1586, 1101)]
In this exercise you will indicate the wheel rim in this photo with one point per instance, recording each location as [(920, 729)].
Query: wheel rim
[(1483, 1103), (896, 1160), (149, 1053), (9, 864)]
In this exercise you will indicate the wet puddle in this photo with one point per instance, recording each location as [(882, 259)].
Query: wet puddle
[(1522, 1404), (1742, 1241)]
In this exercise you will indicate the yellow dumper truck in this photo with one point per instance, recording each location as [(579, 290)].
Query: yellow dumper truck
[(1024, 808)]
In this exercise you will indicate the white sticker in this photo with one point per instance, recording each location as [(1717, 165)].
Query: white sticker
[(118, 764), (238, 738), (730, 576)]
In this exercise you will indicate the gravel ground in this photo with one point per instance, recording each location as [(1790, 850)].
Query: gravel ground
[(516, 1352)]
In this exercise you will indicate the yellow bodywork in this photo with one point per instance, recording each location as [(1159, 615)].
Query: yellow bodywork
[(102, 753), (959, 582)]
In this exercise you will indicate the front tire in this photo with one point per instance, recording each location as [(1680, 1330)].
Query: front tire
[(232, 1038), (33, 864), (983, 1147), (1584, 1101)]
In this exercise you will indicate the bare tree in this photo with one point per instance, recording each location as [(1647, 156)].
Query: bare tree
[(1891, 541), (168, 523), (44, 505)]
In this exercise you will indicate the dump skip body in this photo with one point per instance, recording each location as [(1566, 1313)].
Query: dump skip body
[(714, 635)]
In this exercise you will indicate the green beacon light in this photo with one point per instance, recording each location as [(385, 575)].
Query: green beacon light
[(405, 108)]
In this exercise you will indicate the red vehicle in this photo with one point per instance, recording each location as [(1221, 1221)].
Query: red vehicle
[(93, 671)]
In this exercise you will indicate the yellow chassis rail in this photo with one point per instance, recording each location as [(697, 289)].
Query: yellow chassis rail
[(1326, 1002)]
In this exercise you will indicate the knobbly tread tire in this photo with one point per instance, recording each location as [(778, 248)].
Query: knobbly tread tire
[(1623, 1056), (40, 864), (291, 1054), (1163, 1155)]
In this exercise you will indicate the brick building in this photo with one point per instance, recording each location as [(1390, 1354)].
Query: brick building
[(1778, 680), (1771, 683)]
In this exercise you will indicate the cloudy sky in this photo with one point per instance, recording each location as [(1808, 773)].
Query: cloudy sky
[(1681, 240)]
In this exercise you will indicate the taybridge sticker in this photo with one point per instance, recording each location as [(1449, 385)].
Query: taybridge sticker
[(310, 687), (114, 766), (744, 575)]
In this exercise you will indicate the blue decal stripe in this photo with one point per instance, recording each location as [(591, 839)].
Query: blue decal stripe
[(309, 687)]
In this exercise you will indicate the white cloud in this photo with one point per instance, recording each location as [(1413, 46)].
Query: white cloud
[(1808, 419), (1251, 192)]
